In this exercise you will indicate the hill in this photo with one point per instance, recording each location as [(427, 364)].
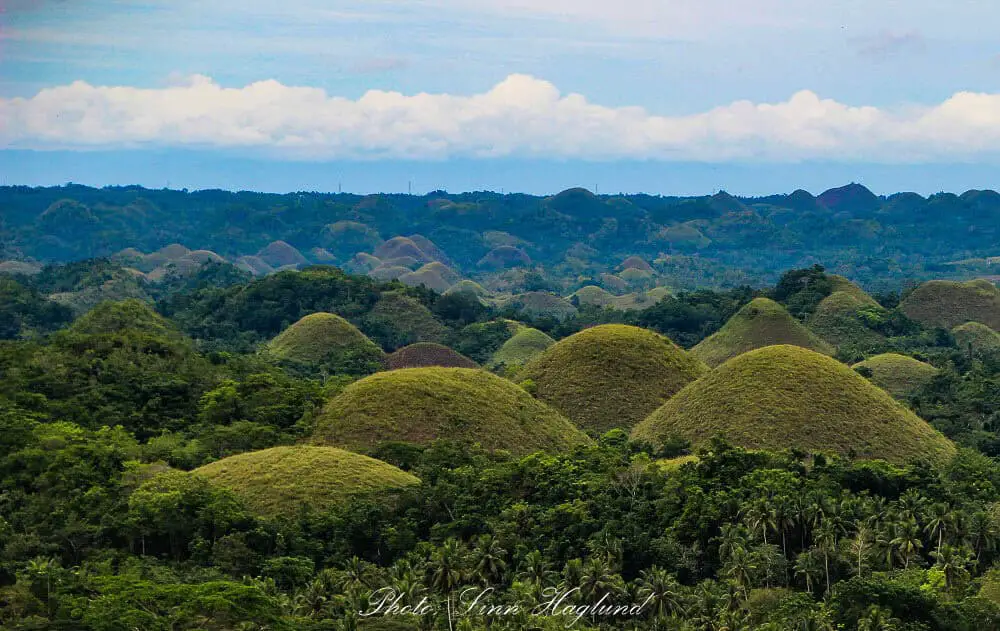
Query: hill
[(899, 375), (946, 304), (977, 338), (323, 339), (526, 344), (838, 320), (423, 354), (280, 481), (397, 320), (279, 254), (418, 405), (785, 396), (539, 304), (610, 376), (762, 322)]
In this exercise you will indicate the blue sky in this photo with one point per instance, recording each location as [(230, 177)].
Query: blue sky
[(735, 95)]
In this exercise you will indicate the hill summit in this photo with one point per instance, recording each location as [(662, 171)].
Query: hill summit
[(782, 397), (419, 405), (611, 375), (762, 322)]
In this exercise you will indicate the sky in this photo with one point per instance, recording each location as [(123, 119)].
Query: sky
[(658, 96)]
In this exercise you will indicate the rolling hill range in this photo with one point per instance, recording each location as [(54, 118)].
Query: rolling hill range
[(491, 238), (948, 304)]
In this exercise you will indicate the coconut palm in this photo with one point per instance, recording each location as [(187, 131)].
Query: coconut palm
[(907, 541), (663, 589)]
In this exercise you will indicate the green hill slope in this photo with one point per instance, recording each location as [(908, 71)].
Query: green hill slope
[(324, 339), (760, 323), (978, 338), (524, 346), (898, 375), (423, 354), (790, 397), (419, 405), (610, 376), (838, 320), (946, 304), (280, 481)]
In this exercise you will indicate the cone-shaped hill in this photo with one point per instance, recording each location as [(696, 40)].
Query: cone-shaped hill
[(978, 338), (789, 397), (423, 354), (611, 375), (323, 339), (762, 322), (279, 482), (521, 348), (898, 375), (418, 405), (947, 304), (838, 321)]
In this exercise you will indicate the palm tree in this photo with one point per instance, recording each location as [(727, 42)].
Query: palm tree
[(732, 536), (936, 522), (783, 518), (826, 542), (808, 566), (907, 541), (488, 562), (447, 570), (741, 568), (952, 562), (982, 532), (597, 579), (877, 619), (663, 588), (535, 570)]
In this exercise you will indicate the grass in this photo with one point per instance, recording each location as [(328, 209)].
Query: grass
[(504, 257), (762, 322), (407, 319), (842, 284), (317, 338), (635, 262), (540, 304), (947, 304), (426, 277), (838, 322), (279, 254), (423, 354), (899, 375), (977, 338), (362, 263), (442, 270), (109, 318), (397, 247), (526, 344), (789, 397), (280, 481), (467, 286), (389, 272), (593, 295), (611, 375), (419, 405)]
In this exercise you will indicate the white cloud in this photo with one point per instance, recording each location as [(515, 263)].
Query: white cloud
[(520, 117)]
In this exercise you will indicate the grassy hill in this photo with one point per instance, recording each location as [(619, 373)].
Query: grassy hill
[(539, 304), (760, 323), (278, 482), (946, 304), (899, 375), (423, 354), (610, 376), (526, 344), (978, 338), (418, 405), (837, 320), (397, 320), (322, 339), (790, 397)]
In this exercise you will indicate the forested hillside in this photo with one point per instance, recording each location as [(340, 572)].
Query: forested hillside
[(210, 449), (717, 241)]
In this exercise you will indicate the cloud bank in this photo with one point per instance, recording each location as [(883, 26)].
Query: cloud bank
[(521, 116)]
